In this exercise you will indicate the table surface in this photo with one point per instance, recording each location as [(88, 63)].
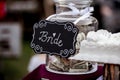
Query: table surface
[(41, 72)]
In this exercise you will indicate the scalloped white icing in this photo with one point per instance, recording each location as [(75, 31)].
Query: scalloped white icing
[(101, 38)]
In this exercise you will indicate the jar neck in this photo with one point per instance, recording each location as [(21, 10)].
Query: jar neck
[(73, 9), (63, 5)]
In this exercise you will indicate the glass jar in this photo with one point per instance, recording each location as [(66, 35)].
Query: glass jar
[(59, 64)]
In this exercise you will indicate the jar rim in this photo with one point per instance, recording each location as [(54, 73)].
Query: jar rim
[(62, 19), (75, 1)]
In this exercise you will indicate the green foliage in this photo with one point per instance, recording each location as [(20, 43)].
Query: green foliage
[(16, 69)]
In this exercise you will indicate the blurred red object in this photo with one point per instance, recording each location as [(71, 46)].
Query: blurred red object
[(2, 9)]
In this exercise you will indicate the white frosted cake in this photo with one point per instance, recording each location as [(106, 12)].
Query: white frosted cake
[(100, 46)]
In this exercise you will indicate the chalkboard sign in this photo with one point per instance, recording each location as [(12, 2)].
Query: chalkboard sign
[(54, 38)]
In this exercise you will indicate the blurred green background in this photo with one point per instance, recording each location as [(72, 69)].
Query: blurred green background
[(16, 69)]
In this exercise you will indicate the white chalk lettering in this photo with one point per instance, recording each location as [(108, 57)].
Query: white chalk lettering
[(43, 37), (50, 39)]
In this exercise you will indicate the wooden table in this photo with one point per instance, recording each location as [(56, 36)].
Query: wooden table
[(111, 72)]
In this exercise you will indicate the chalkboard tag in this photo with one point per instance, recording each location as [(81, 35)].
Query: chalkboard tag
[(54, 38)]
